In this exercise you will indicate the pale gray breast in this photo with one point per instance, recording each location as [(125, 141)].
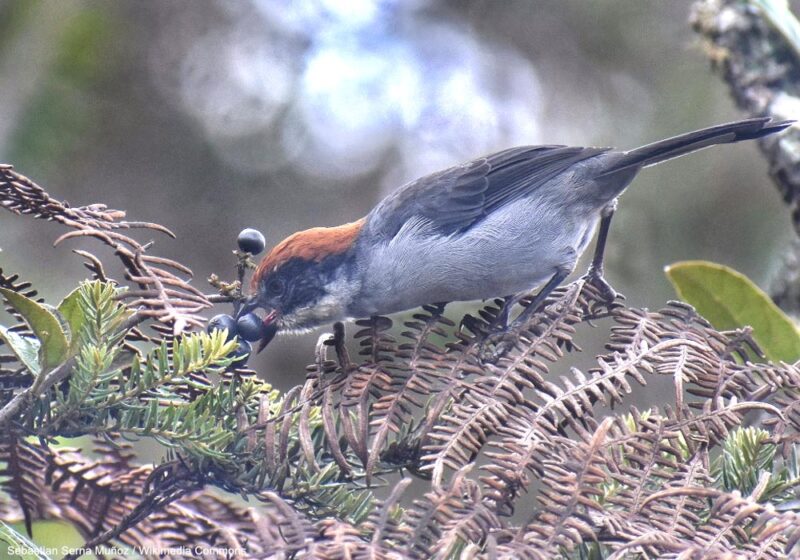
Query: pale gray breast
[(514, 249)]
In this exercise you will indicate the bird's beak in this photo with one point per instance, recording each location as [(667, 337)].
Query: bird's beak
[(270, 329), (270, 318), (248, 306), (269, 321)]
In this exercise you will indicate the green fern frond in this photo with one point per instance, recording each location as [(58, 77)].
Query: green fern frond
[(324, 495), (748, 454), (102, 313)]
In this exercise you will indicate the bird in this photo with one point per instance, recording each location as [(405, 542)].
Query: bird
[(496, 226)]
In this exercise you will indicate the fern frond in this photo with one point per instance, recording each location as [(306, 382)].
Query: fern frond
[(571, 485)]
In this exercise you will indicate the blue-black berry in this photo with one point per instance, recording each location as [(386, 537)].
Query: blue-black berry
[(250, 327), (222, 322), (241, 353), (251, 241)]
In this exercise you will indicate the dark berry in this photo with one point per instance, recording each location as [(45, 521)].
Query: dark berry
[(241, 353), (221, 322), (250, 327), (251, 241)]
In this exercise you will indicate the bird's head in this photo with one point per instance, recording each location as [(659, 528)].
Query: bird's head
[(306, 279)]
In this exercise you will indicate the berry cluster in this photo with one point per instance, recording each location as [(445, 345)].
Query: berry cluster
[(248, 327)]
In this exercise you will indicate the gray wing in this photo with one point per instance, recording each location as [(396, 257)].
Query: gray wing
[(457, 198)]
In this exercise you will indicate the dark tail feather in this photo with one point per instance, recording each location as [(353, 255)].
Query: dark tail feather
[(677, 146)]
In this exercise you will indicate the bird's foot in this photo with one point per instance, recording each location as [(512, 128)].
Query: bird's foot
[(595, 278), (505, 339), (497, 344), (504, 333)]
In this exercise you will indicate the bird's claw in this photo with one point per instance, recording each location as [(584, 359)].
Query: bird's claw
[(595, 278), (496, 345)]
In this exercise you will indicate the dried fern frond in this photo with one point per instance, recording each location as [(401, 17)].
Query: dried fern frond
[(735, 522), (574, 474), (22, 460), (162, 291), (99, 494), (446, 519), (495, 392)]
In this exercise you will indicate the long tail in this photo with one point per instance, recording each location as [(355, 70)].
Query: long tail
[(677, 146)]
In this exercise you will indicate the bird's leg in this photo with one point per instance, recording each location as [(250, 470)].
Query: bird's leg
[(503, 317), (500, 339), (540, 298), (595, 274), (339, 343)]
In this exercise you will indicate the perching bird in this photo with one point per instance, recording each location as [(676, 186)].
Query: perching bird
[(496, 226)]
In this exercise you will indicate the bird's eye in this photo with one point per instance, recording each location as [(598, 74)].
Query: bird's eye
[(276, 287)]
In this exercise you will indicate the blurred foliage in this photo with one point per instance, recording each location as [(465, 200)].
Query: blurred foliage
[(12, 17), (52, 538), (60, 115)]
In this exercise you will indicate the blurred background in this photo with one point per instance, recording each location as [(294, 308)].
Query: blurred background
[(213, 116)]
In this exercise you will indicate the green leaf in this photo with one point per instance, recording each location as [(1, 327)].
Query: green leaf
[(44, 325), (25, 348), (728, 300), (17, 546), (70, 309), (779, 14)]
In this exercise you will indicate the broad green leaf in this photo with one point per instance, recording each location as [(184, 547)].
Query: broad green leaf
[(25, 348), (729, 300), (70, 309), (62, 321), (779, 14), (45, 327), (16, 546)]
